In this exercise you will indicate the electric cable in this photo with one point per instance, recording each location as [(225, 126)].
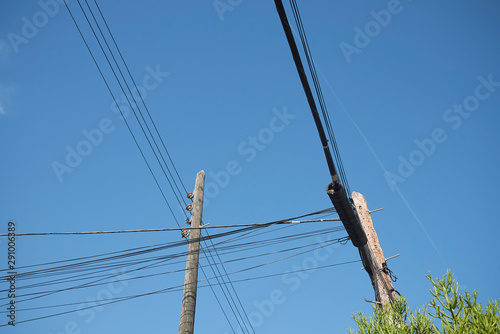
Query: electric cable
[(121, 112), (114, 300)]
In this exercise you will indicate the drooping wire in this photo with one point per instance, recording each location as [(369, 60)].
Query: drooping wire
[(118, 299), (103, 281), (166, 260), (107, 301), (235, 281), (245, 246), (242, 229), (168, 229)]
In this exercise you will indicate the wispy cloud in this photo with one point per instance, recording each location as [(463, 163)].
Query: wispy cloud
[(7, 92), (5, 51)]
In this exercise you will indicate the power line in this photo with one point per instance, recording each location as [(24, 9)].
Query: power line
[(200, 281), (154, 248), (137, 107), (319, 93), (224, 285), (307, 90), (174, 229), (230, 248), (114, 300), (172, 289), (121, 112), (81, 268), (335, 190), (160, 261), (145, 106), (149, 136)]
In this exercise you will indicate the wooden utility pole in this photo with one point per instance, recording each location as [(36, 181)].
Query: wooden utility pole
[(186, 325), (372, 255)]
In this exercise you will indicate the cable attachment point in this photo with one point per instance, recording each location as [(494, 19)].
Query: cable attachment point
[(184, 233), (190, 195), (189, 207), (388, 271), (188, 221), (343, 241)]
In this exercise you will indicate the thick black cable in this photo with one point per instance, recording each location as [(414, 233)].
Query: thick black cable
[(307, 90), (319, 93)]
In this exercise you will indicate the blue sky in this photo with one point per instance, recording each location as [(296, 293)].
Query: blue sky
[(413, 99)]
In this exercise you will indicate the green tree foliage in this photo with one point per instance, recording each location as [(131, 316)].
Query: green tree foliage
[(448, 312)]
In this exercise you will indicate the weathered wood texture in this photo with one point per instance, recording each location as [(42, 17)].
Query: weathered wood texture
[(186, 325), (373, 253)]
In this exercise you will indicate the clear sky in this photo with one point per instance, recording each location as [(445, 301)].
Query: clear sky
[(413, 91)]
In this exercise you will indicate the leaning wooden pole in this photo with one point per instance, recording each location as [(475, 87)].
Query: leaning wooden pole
[(186, 325), (372, 255)]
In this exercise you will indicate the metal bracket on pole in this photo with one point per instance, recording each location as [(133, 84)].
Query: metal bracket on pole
[(373, 302), (392, 257), (387, 259)]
